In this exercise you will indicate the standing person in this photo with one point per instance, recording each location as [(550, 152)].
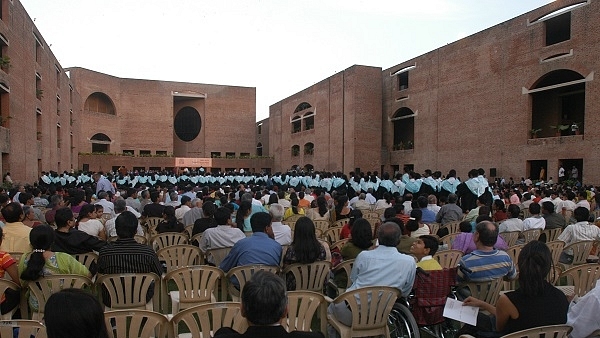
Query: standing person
[(102, 183), (561, 174), (574, 173), (372, 268)]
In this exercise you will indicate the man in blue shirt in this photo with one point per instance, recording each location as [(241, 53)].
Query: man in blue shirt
[(382, 266), (260, 248)]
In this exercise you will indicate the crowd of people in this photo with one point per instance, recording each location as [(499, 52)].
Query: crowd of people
[(247, 213)]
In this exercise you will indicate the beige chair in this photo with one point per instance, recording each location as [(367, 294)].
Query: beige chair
[(556, 248), (433, 228), (322, 225), (526, 213), (188, 229), (375, 223), (370, 308), (87, 259), (510, 237), (449, 239), (136, 323), (551, 235), (339, 244), (346, 267), (202, 321), (332, 234), (140, 239), (44, 287), (340, 222), (5, 284), (217, 255), (554, 274), (242, 274), (291, 224), (488, 291), (453, 227), (583, 277), (168, 239), (370, 214), (151, 223), (196, 285), (293, 218), (514, 252), (580, 251), (129, 290), (197, 237), (27, 328), (310, 277), (180, 255), (550, 331), (302, 307), (448, 258), (531, 235)]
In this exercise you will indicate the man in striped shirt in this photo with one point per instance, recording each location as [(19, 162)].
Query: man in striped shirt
[(125, 255), (486, 263)]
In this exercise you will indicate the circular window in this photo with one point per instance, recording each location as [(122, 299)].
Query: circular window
[(187, 124)]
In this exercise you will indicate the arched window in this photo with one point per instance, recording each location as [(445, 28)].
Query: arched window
[(100, 143), (296, 124), (295, 150), (558, 104), (302, 106), (259, 149), (99, 103), (404, 129), (309, 148), (309, 121)]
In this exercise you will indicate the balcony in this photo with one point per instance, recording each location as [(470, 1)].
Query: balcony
[(557, 140)]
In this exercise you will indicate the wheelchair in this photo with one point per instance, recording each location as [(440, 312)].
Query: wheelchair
[(423, 308)]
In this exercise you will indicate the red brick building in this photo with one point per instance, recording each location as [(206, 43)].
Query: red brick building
[(493, 100)]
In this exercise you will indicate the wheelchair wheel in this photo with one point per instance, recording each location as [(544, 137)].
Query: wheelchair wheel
[(402, 324)]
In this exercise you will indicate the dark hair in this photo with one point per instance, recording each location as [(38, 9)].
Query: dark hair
[(389, 234), (12, 212), (353, 216), (431, 243), (422, 202), (341, 201), (264, 298), (389, 212), (185, 199), (74, 313), (170, 221), (77, 196), (534, 208), (222, 215), (41, 239), (85, 211), (260, 221), (273, 198), (534, 263), (24, 197), (465, 226), (154, 196), (487, 236), (245, 206), (514, 210), (294, 204), (417, 214), (362, 234), (305, 244), (322, 204), (62, 216), (208, 209), (500, 205), (126, 225), (548, 206), (581, 214)]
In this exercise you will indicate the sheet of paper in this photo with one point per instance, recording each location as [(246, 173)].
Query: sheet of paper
[(454, 309)]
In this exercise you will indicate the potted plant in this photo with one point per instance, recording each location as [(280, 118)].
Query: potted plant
[(4, 62), (559, 128), (534, 132), (575, 128)]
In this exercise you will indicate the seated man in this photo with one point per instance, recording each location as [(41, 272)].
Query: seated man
[(70, 240), (513, 223), (264, 305), (225, 235), (260, 248), (485, 263), (535, 221), (583, 314), (372, 268), (423, 249), (580, 231), (553, 219), (282, 232), (120, 206), (125, 255)]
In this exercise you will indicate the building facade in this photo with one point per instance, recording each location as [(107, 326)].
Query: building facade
[(512, 99)]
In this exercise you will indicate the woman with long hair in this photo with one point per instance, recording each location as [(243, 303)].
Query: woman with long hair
[(341, 209), (243, 212), (362, 239), (169, 222), (87, 222), (77, 200), (42, 261), (347, 228), (207, 220), (320, 212), (534, 303), (305, 247)]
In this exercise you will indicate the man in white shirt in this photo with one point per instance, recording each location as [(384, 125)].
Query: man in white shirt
[(194, 213), (369, 197), (583, 314), (282, 232), (535, 221), (285, 203), (513, 223), (120, 206), (225, 235), (580, 231), (186, 203), (582, 200)]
